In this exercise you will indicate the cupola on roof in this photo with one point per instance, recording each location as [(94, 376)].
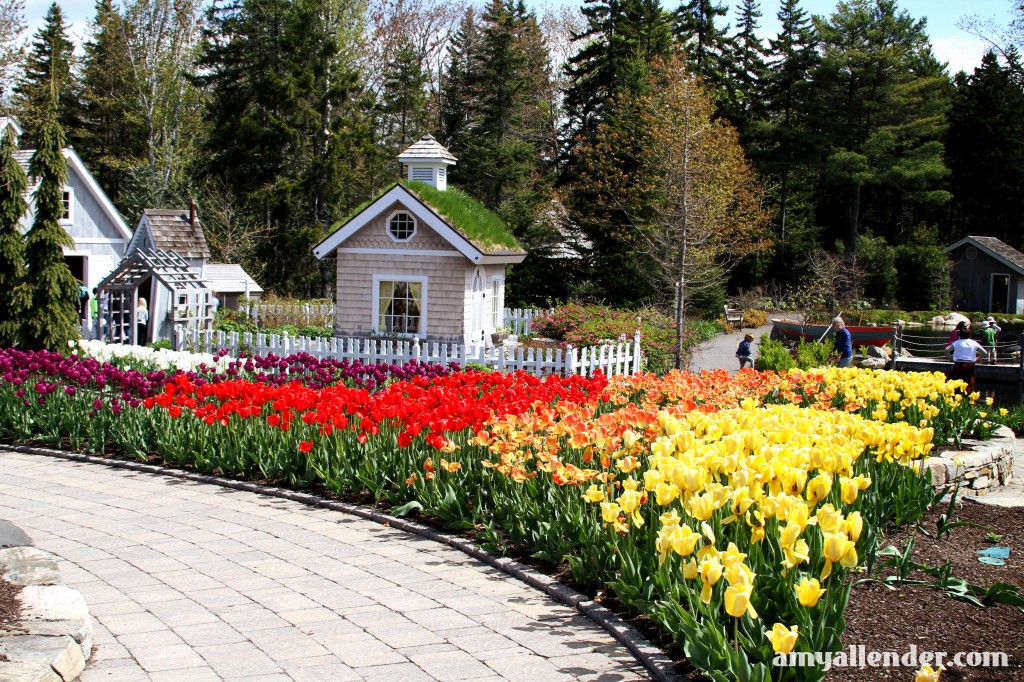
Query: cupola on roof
[(427, 161)]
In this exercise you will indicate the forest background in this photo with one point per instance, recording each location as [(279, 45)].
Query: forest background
[(643, 154)]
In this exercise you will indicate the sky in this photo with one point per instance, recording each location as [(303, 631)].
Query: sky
[(960, 49)]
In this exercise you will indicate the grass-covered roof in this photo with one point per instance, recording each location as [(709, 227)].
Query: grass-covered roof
[(472, 219)]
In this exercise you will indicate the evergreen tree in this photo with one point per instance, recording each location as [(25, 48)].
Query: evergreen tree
[(12, 52), (708, 47), (456, 101), (744, 97), (50, 64), (881, 104), (14, 293), (112, 141), (620, 34), (783, 144), (53, 289), (403, 108), (985, 150)]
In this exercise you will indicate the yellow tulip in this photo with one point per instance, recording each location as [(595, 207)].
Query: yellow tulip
[(797, 554), (829, 520), (732, 555), (593, 494), (848, 487), (926, 674), (665, 493), (670, 518), (818, 489), (652, 477), (789, 535), (854, 525), (629, 500), (701, 507), (737, 601), (808, 592), (610, 512), (684, 543), (739, 574), (783, 638), (710, 573), (690, 570), (835, 546)]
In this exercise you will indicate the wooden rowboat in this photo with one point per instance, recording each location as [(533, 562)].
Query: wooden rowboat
[(861, 336)]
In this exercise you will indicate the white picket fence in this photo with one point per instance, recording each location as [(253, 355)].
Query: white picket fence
[(518, 320), (621, 358)]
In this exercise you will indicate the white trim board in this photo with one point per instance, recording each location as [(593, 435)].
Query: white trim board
[(397, 252), (375, 300)]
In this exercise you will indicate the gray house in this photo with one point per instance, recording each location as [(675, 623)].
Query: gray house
[(100, 233), (987, 276)]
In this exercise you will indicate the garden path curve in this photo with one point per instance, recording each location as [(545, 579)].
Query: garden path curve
[(191, 581)]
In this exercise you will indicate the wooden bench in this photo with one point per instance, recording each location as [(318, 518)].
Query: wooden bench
[(734, 316)]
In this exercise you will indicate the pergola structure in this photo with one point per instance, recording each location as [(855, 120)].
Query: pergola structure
[(191, 302)]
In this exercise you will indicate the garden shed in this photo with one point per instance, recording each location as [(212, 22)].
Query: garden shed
[(181, 297), (421, 260), (987, 276)]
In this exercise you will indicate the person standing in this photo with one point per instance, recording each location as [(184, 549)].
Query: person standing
[(988, 340), (743, 351), (94, 311), (844, 343), (964, 325), (141, 323), (964, 354)]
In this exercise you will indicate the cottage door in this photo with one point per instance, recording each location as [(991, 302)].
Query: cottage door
[(476, 331)]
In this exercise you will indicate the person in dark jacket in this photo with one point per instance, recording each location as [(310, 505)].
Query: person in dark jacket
[(743, 352), (844, 343)]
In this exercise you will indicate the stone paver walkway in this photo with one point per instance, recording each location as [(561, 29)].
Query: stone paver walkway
[(193, 582), (720, 351)]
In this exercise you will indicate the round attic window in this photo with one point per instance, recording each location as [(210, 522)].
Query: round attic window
[(971, 253), (401, 226)]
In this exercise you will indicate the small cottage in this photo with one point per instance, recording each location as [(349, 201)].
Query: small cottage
[(987, 276), (422, 260)]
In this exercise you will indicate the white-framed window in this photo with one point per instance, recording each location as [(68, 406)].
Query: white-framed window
[(67, 200), (401, 226), (497, 302), (400, 304)]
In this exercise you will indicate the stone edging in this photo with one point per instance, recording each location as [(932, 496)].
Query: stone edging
[(659, 665), (979, 471), (56, 631)]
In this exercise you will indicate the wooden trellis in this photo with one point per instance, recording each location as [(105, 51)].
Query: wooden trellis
[(191, 300)]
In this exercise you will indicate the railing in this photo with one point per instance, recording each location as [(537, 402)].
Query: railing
[(620, 358)]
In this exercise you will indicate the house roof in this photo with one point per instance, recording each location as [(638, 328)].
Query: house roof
[(230, 278), (463, 221), (23, 156), (172, 230), (169, 268), (426, 149), (996, 248)]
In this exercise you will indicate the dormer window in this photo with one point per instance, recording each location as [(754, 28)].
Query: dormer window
[(401, 226), (67, 201)]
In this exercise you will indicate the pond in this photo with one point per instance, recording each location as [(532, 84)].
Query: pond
[(930, 342)]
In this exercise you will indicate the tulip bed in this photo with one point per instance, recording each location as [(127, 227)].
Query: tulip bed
[(732, 510)]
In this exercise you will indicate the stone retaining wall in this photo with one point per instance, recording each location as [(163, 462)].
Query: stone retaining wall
[(984, 468)]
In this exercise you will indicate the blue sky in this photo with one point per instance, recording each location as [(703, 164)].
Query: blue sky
[(960, 49)]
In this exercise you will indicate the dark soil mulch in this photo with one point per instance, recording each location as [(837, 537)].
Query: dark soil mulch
[(10, 610), (883, 619)]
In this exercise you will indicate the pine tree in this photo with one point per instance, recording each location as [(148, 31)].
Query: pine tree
[(783, 145), (14, 293), (708, 47), (50, 64), (112, 141), (881, 104), (53, 289), (620, 34), (985, 151), (458, 105), (403, 109), (744, 99)]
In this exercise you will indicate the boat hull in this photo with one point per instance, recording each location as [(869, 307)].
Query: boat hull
[(861, 336)]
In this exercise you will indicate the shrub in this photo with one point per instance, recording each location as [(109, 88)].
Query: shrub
[(316, 331), (589, 325), (773, 355), (811, 354), (233, 321), (755, 318)]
